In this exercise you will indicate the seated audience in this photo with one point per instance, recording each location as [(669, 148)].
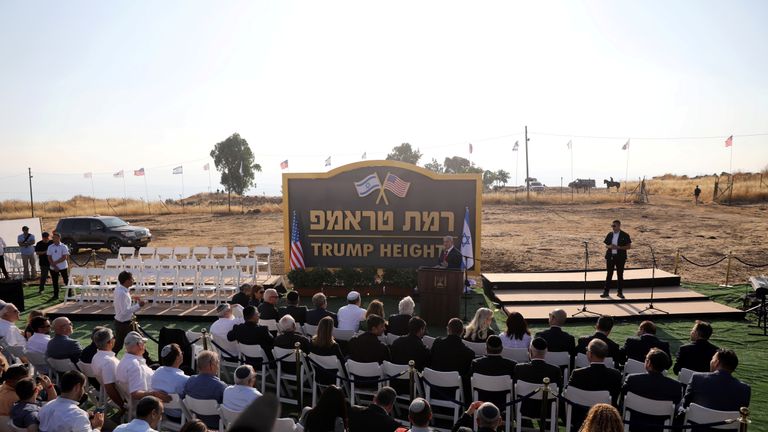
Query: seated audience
[(29, 331), (603, 418), (298, 312), (398, 324), (449, 353), (63, 413), (350, 315), (132, 372), (719, 390), (479, 328), (251, 333), (323, 343), (9, 333), (25, 412), (61, 345), (602, 331), (557, 339), (376, 307), (88, 352), (38, 342), (411, 346), (237, 397), (485, 414), (206, 384), (268, 308), (366, 347), (376, 417), (287, 339), (8, 397), (493, 364), (534, 372), (652, 385), (194, 426), (696, 355), (517, 334), (637, 347), (244, 296), (222, 326), (330, 413), (595, 377), (104, 364), (169, 378), (149, 412), (320, 311), (420, 414)]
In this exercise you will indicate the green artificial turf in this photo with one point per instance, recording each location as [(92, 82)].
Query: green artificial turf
[(748, 342)]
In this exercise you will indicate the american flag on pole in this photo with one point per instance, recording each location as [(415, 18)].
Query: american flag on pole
[(396, 185), (88, 175), (284, 164), (297, 253), (729, 141), (118, 174), (139, 172)]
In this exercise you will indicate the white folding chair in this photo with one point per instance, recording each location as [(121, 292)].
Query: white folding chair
[(38, 361), (697, 414), (207, 285), (219, 252), (125, 252), (263, 255), (390, 338), (107, 283), (200, 252), (185, 285), (175, 404), (518, 355), (323, 368), (170, 263), (230, 284), (255, 352), (152, 264), (60, 366), (247, 270), (685, 376), (432, 378), (227, 417), (359, 373), (133, 264), (229, 361), (228, 263), (269, 323), (639, 404), (146, 252), (165, 283), (476, 347), (286, 424), (188, 263), (73, 290), (397, 372), (163, 252), (633, 367), (240, 252), (582, 361), (282, 376), (499, 384), (181, 252), (309, 329), (343, 335), (208, 263), (560, 359), (113, 263), (523, 388), (582, 398), (428, 341), (202, 407), (145, 283)]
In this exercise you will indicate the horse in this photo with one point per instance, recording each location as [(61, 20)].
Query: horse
[(610, 183)]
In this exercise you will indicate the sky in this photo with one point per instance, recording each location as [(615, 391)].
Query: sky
[(100, 87)]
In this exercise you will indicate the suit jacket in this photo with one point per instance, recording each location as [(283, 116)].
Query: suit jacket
[(249, 333), (624, 240), (398, 324), (410, 347), (367, 348), (558, 340), (637, 347), (651, 385), (613, 347), (695, 356), (454, 259), (371, 419), (597, 377), (450, 354), (313, 316), (268, 311), (493, 365), (718, 390), (535, 372), (289, 339), (299, 313)]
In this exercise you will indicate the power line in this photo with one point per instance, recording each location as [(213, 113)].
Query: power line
[(648, 138)]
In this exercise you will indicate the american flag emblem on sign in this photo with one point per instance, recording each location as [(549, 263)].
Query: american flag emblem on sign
[(297, 253), (396, 185)]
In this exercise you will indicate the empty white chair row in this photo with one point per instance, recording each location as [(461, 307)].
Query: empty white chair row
[(197, 252)]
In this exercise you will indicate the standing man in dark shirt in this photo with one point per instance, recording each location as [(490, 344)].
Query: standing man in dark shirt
[(696, 193), (450, 258), (617, 243), (697, 355), (41, 249)]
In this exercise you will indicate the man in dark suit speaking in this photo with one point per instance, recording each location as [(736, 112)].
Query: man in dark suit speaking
[(450, 258), (617, 242)]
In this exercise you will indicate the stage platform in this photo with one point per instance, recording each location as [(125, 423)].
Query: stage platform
[(106, 311), (535, 294)]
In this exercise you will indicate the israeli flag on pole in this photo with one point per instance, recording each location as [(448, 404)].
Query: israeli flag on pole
[(466, 244), (367, 185)]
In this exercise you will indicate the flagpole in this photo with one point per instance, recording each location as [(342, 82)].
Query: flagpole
[(730, 166), (93, 193), (571, 148), (146, 192), (125, 191), (209, 179), (626, 173), (517, 165), (182, 188)]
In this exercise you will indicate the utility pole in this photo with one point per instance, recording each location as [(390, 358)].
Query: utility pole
[(527, 176), (31, 201)]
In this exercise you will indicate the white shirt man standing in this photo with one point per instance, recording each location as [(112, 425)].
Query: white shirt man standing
[(351, 314), (125, 307), (57, 259), (27, 242)]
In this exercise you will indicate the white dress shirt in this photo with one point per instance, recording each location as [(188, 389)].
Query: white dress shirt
[(171, 381), (615, 242), (11, 334), (219, 330), (238, 397), (133, 373), (63, 415), (136, 425), (56, 251), (38, 343), (104, 366), (124, 309), (350, 317)]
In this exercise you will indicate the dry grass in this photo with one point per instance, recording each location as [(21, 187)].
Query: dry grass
[(553, 196), (747, 187)]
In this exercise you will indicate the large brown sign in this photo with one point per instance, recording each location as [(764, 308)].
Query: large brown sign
[(380, 214)]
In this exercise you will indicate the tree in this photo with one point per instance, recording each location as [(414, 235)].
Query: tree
[(502, 177), (235, 161), (435, 166), (460, 165), (404, 153), (489, 178)]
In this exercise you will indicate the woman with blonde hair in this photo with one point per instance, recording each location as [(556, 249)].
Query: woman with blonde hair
[(602, 418), (479, 328), (376, 307)]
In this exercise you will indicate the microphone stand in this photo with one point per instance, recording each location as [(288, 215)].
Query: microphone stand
[(584, 309), (653, 285)]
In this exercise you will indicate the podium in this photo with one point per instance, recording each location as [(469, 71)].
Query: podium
[(440, 293)]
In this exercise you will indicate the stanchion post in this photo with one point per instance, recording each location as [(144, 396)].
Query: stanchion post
[(677, 260), (299, 392), (412, 379), (728, 271), (544, 405), (204, 337), (93, 257), (744, 419)]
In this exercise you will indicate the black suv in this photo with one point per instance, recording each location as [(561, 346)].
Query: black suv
[(95, 232)]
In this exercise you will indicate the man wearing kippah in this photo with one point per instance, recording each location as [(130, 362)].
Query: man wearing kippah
[(237, 397), (534, 372), (419, 414), (169, 377), (488, 417), (351, 314)]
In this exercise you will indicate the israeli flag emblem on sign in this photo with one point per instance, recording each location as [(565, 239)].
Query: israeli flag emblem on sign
[(367, 185)]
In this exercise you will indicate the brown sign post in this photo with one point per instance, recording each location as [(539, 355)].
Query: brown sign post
[(380, 214)]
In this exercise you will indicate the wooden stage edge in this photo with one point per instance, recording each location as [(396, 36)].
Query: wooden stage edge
[(105, 311), (631, 310)]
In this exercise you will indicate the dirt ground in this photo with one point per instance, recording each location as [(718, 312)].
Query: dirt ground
[(538, 237)]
